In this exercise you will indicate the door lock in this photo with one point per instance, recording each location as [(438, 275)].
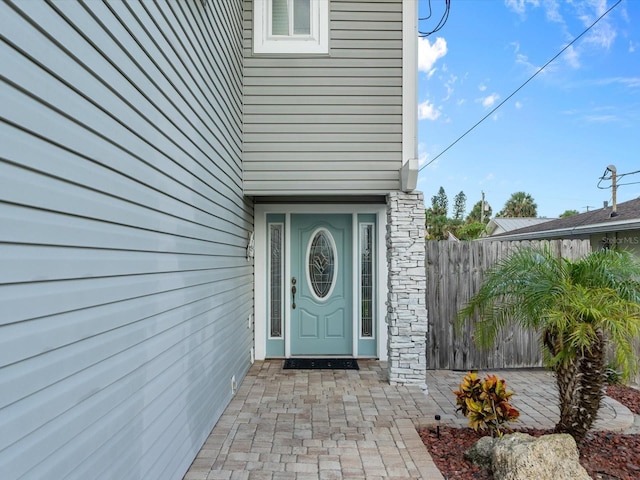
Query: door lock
[(293, 292)]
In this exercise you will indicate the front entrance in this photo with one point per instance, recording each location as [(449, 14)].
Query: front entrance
[(321, 284)]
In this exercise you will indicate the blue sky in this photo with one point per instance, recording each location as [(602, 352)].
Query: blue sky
[(556, 136)]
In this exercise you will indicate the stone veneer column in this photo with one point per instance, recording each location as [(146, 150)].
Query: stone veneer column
[(406, 301)]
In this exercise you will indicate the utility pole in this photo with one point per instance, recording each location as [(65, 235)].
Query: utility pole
[(482, 208), (614, 208)]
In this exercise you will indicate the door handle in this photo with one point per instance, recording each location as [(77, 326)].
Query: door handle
[(293, 292)]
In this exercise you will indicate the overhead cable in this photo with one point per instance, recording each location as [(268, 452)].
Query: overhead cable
[(520, 87), (443, 19)]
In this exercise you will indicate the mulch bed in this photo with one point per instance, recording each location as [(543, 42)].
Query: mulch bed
[(605, 455)]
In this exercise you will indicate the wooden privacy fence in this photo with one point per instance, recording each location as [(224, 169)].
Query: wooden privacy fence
[(454, 274)]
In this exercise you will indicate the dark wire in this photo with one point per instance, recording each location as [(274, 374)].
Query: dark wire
[(620, 175), (430, 12), (519, 88), (443, 19), (604, 177), (628, 173)]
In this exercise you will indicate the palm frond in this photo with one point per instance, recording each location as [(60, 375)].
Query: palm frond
[(570, 302)]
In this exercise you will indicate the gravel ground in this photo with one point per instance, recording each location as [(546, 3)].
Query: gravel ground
[(605, 455)]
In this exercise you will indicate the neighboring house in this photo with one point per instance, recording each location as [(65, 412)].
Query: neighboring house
[(604, 230), (500, 225), (186, 187)]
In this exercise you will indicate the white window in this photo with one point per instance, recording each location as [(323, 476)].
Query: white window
[(291, 26)]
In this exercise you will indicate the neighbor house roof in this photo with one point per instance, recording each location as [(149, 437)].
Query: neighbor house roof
[(595, 221), (500, 225)]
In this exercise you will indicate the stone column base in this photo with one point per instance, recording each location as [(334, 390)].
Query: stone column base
[(406, 301)]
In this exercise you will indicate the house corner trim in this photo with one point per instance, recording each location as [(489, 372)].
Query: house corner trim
[(409, 83)]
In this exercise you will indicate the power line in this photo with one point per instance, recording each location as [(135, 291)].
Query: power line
[(628, 173), (520, 87), (619, 176), (441, 22)]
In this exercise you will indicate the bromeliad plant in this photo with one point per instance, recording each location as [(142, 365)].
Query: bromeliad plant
[(485, 403)]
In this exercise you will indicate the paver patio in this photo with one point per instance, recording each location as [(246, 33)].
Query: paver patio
[(351, 424)]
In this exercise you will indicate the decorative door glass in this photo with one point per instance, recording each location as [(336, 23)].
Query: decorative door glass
[(321, 263), (276, 267), (366, 280)]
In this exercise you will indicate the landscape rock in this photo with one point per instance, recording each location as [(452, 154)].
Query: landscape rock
[(550, 457), (481, 452)]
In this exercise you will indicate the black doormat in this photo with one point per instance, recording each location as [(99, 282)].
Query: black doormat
[(321, 363)]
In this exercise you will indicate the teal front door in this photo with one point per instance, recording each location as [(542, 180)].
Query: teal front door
[(321, 285)]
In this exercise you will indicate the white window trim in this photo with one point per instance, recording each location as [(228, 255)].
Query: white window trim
[(315, 43)]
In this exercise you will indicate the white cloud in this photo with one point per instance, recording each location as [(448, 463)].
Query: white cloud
[(572, 57), (519, 105), (429, 53), (520, 6), (522, 59), (632, 46), (488, 178), (482, 87), (490, 100), (552, 11), (631, 82), (449, 84), (601, 118), (423, 156), (427, 111), (603, 34)]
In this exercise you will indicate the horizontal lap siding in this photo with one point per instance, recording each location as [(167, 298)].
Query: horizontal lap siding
[(124, 286), (327, 124)]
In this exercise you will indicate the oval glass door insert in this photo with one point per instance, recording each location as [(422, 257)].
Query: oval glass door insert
[(322, 263)]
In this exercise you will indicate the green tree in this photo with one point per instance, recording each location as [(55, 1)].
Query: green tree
[(459, 205), (436, 216), (440, 203), (569, 213), (436, 225), (579, 307), (520, 204), (475, 215), (471, 231)]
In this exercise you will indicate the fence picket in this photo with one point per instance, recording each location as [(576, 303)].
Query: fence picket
[(454, 274)]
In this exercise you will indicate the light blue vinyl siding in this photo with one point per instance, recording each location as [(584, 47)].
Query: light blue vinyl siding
[(327, 124), (125, 290)]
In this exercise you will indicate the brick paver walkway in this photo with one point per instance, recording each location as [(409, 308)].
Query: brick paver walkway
[(351, 424)]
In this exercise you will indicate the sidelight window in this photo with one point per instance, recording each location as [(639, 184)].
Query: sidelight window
[(276, 277)]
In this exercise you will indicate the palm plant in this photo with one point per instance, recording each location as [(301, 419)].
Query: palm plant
[(520, 204), (579, 307)]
